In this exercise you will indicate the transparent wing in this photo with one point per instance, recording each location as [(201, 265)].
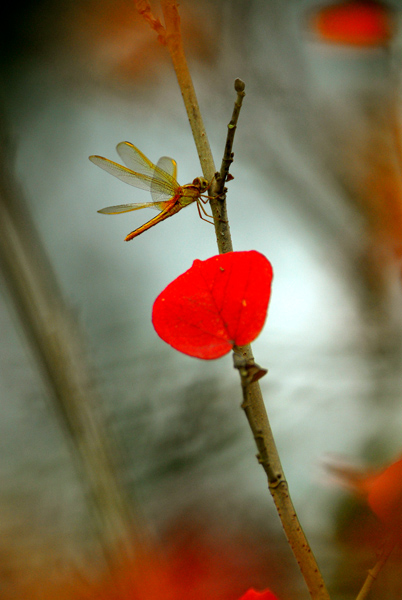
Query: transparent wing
[(123, 208), (135, 160), (167, 165), (138, 180), (162, 189)]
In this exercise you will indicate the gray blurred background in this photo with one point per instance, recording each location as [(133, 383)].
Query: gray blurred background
[(317, 188)]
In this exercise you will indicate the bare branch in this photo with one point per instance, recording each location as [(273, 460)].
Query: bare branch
[(374, 572), (268, 457)]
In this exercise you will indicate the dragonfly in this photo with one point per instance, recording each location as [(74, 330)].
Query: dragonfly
[(168, 196)]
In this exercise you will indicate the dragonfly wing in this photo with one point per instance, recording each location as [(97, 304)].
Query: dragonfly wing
[(123, 208), (138, 162), (135, 159), (169, 166), (138, 180), (160, 179)]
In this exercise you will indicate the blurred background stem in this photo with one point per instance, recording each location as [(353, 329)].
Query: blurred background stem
[(58, 347)]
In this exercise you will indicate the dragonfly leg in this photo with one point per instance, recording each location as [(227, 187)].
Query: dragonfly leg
[(205, 199), (201, 208)]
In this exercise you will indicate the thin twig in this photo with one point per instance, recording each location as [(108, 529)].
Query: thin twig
[(268, 457), (228, 153), (175, 46), (374, 572), (217, 190)]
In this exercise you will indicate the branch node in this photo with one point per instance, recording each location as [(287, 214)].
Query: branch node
[(146, 13), (249, 371)]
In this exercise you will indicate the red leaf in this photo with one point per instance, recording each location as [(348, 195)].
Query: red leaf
[(360, 23), (253, 595), (218, 303)]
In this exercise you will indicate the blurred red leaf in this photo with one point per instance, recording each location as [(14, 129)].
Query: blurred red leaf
[(189, 564), (381, 489), (253, 595), (218, 303), (385, 496), (360, 23)]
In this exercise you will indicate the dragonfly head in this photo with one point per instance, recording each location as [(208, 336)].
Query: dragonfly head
[(201, 183)]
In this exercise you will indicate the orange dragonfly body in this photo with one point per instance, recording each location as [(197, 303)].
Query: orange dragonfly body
[(168, 196)]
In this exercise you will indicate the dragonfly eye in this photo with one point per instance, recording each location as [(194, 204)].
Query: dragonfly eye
[(202, 183)]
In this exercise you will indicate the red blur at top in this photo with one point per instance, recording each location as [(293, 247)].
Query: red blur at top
[(353, 23)]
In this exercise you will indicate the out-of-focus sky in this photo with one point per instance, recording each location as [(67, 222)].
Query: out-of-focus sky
[(316, 188)]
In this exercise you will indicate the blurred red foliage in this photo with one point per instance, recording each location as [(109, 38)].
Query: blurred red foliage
[(385, 497), (189, 565), (361, 23), (253, 595), (380, 489)]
